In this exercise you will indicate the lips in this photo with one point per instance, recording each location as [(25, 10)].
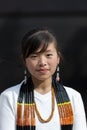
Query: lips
[(43, 70)]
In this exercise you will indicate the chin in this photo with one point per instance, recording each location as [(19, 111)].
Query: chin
[(42, 78)]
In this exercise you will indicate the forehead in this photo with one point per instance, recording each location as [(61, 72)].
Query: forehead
[(50, 47)]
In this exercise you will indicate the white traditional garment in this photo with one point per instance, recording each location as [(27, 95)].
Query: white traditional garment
[(8, 110)]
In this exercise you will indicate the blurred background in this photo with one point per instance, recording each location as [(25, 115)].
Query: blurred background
[(66, 18)]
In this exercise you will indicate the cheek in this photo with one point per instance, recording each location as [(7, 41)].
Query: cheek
[(55, 61), (30, 65), (54, 64)]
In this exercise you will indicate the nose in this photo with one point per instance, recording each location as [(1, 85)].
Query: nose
[(42, 61)]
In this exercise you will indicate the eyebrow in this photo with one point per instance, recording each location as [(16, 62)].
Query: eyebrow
[(49, 50), (37, 52)]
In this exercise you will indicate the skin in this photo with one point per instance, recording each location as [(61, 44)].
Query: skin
[(42, 66)]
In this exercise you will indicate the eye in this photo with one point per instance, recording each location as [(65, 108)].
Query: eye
[(33, 56), (49, 55)]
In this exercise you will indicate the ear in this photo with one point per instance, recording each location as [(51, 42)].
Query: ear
[(58, 58), (24, 62)]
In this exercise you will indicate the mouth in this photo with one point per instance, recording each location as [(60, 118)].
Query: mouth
[(43, 70)]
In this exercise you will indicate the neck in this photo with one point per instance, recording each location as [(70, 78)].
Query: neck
[(42, 86)]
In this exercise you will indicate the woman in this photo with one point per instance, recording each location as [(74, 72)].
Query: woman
[(40, 102)]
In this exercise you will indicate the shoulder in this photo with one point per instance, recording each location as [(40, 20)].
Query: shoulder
[(73, 94), (71, 91), (75, 97), (11, 92)]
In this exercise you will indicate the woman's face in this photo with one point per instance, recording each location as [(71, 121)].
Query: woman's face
[(42, 65)]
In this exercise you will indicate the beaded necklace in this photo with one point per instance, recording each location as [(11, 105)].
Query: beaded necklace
[(51, 115)]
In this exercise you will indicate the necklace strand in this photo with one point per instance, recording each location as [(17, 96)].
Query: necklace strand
[(52, 112)]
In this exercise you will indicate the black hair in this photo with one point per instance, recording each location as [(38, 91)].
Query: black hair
[(35, 39)]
